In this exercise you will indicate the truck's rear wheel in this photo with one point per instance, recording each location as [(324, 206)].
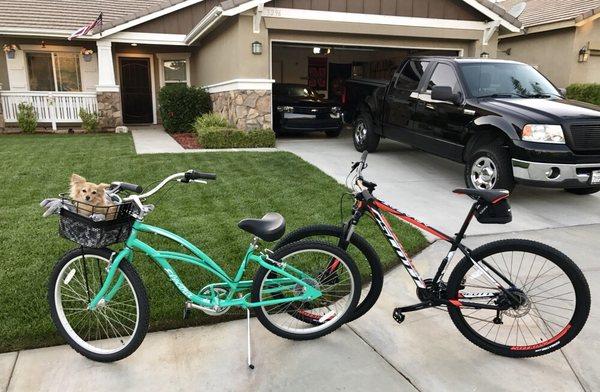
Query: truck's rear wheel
[(489, 168), (364, 135), (583, 191)]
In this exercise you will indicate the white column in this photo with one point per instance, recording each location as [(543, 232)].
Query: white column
[(106, 69)]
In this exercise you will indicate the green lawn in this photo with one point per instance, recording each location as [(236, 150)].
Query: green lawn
[(34, 167)]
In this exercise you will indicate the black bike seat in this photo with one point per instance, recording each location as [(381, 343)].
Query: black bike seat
[(270, 228), (492, 196)]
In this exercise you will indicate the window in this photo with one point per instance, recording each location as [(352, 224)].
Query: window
[(444, 75), (174, 68), (53, 71), (411, 74), (175, 71), (485, 79)]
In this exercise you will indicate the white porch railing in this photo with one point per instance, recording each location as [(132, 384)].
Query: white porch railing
[(50, 107)]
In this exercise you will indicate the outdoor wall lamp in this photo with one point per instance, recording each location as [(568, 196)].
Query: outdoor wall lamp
[(584, 54), (256, 47), (484, 55)]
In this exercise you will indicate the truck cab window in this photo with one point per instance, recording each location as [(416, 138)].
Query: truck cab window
[(444, 75), (411, 74)]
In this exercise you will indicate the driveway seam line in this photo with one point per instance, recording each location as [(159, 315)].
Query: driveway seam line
[(579, 380), (385, 359), (12, 371)]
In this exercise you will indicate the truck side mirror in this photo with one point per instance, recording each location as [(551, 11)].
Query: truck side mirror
[(563, 92), (444, 93)]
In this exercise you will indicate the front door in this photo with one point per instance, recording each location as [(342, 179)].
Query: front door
[(136, 91)]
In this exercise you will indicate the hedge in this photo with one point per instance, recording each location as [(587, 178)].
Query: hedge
[(180, 105), (585, 92), (219, 137)]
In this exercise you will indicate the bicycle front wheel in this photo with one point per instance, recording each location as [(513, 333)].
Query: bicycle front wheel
[(545, 310), (310, 319), (115, 328)]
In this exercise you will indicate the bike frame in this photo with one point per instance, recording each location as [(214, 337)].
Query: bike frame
[(375, 207), (238, 295)]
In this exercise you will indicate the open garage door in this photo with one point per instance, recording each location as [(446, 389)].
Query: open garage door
[(326, 68)]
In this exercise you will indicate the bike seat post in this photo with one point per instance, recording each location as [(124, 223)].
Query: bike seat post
[(461, 234)]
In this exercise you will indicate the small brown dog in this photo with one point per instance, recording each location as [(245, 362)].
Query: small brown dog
[(90, 198)]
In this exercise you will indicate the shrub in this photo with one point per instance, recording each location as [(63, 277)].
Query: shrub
[(211, 120), (89, 120), (26, 117), (585, 92), (219, 137), (180, 105)]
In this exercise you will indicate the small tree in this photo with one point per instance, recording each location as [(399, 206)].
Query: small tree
[(89, 120), (180, 105), (26, 117)]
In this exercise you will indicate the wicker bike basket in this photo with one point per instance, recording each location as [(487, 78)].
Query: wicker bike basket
[(76, 224)]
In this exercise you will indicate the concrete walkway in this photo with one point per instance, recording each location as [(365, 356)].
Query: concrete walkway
[(425, 353), (154, 140)]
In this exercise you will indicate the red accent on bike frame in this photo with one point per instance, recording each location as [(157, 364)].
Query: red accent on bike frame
[(411, 220), (545, 343), (311, 316), (455, 302), (499, 199), (334, 264)]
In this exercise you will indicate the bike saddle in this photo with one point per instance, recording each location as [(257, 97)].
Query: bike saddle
[(270, 228), (492, 196)]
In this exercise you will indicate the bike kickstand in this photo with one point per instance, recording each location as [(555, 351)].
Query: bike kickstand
[(250, 365)]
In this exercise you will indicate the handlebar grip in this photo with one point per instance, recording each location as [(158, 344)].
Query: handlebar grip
[(131, 187), (363, 157), (196, 175)]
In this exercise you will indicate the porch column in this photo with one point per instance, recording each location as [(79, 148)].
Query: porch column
[(109, 97)]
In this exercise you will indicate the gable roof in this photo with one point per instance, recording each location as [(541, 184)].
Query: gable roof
[(539, 12), (69, 15), (43, 16)]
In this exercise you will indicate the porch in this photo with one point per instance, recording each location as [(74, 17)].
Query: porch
[(51, 107)]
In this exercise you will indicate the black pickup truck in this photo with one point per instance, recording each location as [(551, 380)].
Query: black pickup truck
[(503, 119)]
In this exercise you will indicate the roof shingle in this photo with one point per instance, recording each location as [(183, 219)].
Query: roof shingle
[(539, 12)]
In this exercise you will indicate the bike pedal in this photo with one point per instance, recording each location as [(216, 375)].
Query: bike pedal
[(398, 316)]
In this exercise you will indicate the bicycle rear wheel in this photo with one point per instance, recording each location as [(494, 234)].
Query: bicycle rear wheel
[(116, 328), (359, 249), (303, 320), (551, 298)]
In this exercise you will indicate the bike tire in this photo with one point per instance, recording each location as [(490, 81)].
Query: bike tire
[(368, 252), (555, 337), (313, 331), (58, 315)]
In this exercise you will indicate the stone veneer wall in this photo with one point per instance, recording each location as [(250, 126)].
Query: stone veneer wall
[(246, 109), (109, 110)]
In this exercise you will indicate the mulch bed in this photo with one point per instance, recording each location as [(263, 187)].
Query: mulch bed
[(187, 140)]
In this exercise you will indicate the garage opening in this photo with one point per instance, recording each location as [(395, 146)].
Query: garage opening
[(325, 68)]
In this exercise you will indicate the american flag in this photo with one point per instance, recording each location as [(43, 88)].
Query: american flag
[(87, 28)]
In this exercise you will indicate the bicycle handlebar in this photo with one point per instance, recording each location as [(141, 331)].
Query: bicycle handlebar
[(129, 187), (196, 175), (185, 177)]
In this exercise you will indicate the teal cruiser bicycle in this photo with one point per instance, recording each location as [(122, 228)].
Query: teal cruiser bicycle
[(98, 302)]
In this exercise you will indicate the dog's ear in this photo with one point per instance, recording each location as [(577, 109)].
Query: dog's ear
[(103, 186), (77, 179)]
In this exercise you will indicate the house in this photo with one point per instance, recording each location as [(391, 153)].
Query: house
[(236, 49), (561, 38)]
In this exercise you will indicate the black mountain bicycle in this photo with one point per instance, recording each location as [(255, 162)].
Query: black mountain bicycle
[(514, 297)]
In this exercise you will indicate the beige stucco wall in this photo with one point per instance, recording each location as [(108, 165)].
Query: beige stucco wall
[(550, 52), (589, 71), (225, 54)]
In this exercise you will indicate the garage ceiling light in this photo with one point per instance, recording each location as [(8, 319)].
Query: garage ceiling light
[(318, 50)]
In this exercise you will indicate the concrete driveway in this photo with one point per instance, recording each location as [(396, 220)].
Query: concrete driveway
[(421, 185)]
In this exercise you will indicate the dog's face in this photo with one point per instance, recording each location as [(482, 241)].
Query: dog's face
[(87, 192)]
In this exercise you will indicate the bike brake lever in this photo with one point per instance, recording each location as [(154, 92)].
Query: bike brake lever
[(188, 181)]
